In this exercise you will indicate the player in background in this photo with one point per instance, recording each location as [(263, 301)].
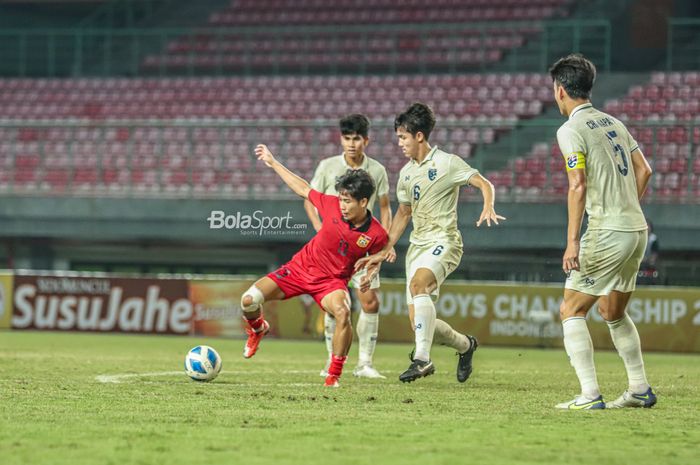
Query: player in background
[(323, 267), (428, 189), (354, 138), (608, 175), (307, 303)]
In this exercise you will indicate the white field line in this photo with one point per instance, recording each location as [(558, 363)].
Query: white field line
[(121, 377)]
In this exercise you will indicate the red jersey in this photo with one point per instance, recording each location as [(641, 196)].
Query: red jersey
[(336, 247)]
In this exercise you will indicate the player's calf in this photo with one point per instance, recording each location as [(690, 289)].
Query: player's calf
[(257, 327)]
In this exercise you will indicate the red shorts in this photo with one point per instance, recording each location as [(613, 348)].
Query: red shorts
[(293, 280)]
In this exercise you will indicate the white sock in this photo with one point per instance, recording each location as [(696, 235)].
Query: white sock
[(424, 320), (367, 329), (445, 335), (626, 339), (579, 347), (328, 331)]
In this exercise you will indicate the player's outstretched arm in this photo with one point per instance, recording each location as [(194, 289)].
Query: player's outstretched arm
[(385, 215), (642, 172), (295, 183), (576, 202), (488, 214)]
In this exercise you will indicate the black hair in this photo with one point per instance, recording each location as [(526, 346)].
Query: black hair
[(356, 123), (358, 184), (418, 117), (576, 74)]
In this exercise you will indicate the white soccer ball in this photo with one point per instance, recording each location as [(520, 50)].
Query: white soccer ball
[(202, 363)]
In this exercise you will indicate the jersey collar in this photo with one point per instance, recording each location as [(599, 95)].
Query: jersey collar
[(429, 156), (583, 106), (363, 166), (364, 227)]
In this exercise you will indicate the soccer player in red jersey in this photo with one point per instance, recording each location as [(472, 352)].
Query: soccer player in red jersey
[(323, 267)]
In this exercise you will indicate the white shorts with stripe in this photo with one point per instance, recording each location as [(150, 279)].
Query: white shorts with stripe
[(609, 262), (442, 258)]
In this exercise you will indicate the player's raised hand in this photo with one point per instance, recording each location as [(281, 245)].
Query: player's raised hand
[(488, 214), (264, 154), (570, 260)]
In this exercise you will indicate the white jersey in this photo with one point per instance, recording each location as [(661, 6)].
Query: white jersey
[(330, 169), (431, 188), (602, 145)]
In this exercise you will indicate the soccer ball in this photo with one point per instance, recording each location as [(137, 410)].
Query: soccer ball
[(202, 363)]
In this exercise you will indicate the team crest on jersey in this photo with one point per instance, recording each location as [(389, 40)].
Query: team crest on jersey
[(363, 241), (572, 161), (432, 174)]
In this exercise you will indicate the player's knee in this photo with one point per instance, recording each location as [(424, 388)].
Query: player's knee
[(564, 311), (252, 299), (417, 287), (568, 310), (370, 304), (610, 314), (341, 312), (604, 312)]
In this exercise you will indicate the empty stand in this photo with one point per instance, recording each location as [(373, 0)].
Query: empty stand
[(454, 35), (212, 158), (109, 152), (664, 118)]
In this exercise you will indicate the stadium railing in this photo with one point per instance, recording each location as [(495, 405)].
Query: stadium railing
[(683, 44), (122, 13), (214, 159), (127, 51)]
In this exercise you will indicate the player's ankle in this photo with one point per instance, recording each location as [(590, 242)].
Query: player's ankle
[(638, 388)]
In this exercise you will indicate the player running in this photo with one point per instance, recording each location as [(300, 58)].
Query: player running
[(427, 191), (608, 175), (354, 138), (323, 267)]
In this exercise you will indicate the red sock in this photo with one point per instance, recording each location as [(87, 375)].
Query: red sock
[(256, 323), (337, 363)]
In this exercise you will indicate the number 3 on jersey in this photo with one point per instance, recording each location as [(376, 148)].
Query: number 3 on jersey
[(619, 152)]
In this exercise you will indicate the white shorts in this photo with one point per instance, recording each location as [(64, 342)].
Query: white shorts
[(357, 277), (442, 258), (609, 262), (306, 299)]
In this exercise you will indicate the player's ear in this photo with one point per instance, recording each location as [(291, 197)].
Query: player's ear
[(366, 141), (561, 92)]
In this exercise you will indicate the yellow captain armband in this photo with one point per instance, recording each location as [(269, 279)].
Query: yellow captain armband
[(575, 161)]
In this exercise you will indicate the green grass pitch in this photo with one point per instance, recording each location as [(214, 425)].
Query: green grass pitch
[(273, 409)]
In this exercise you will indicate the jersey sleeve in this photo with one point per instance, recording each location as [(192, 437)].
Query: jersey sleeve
[(572, 148), (327, 205), (318, 182), (382, 183), (402, 194), (460, 171), (633, 144)]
